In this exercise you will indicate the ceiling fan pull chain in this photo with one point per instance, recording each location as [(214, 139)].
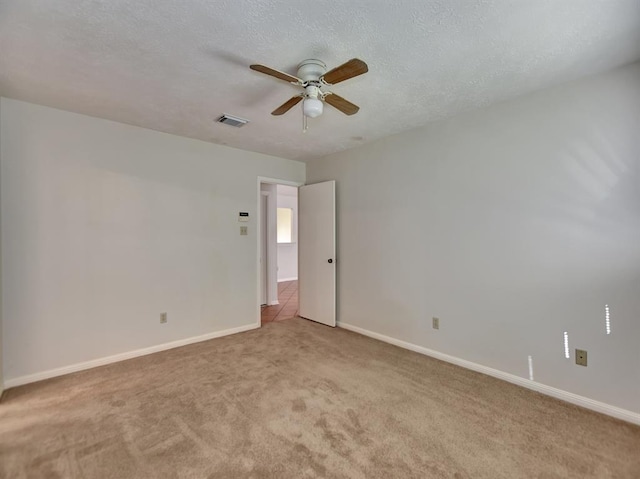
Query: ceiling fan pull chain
[(304, 122)]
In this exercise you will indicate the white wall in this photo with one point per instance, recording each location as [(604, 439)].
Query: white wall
[(288, 252), (512, 224), (105, 226)]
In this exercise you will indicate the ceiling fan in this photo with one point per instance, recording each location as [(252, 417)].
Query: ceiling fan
[(313, 77)]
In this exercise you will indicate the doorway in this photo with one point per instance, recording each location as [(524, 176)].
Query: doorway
[(286, 249), (278, 250), (313, 244)]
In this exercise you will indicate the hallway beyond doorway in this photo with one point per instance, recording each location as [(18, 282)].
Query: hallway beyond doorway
[(288, 307)]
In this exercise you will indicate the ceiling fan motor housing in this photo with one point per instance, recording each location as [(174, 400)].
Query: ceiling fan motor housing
[(311, 70)]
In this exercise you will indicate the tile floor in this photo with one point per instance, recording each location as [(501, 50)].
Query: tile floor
[(288, 307)]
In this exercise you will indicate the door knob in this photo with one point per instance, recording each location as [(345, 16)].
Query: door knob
[(329, 260)]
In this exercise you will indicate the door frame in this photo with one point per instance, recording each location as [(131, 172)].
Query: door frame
[(272, 181)]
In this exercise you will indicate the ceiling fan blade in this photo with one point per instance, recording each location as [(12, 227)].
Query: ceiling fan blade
[(275, 73), (341, 104), (287, 105), (350, 69)]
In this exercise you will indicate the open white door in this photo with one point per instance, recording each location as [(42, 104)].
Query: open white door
[(317, 252)]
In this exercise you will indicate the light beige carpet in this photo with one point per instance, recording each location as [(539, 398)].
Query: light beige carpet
[(297, 399)]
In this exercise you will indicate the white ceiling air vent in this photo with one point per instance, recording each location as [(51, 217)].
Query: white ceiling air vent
[(232, 120)]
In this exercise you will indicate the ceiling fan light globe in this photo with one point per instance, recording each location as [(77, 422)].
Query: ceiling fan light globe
[(312, 107)]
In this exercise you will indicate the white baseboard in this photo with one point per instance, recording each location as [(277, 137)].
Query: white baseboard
[(273, 303), (287, 279), (572, 398), (52, 373)]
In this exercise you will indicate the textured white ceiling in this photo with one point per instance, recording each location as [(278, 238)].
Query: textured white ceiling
[(175, 66)]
